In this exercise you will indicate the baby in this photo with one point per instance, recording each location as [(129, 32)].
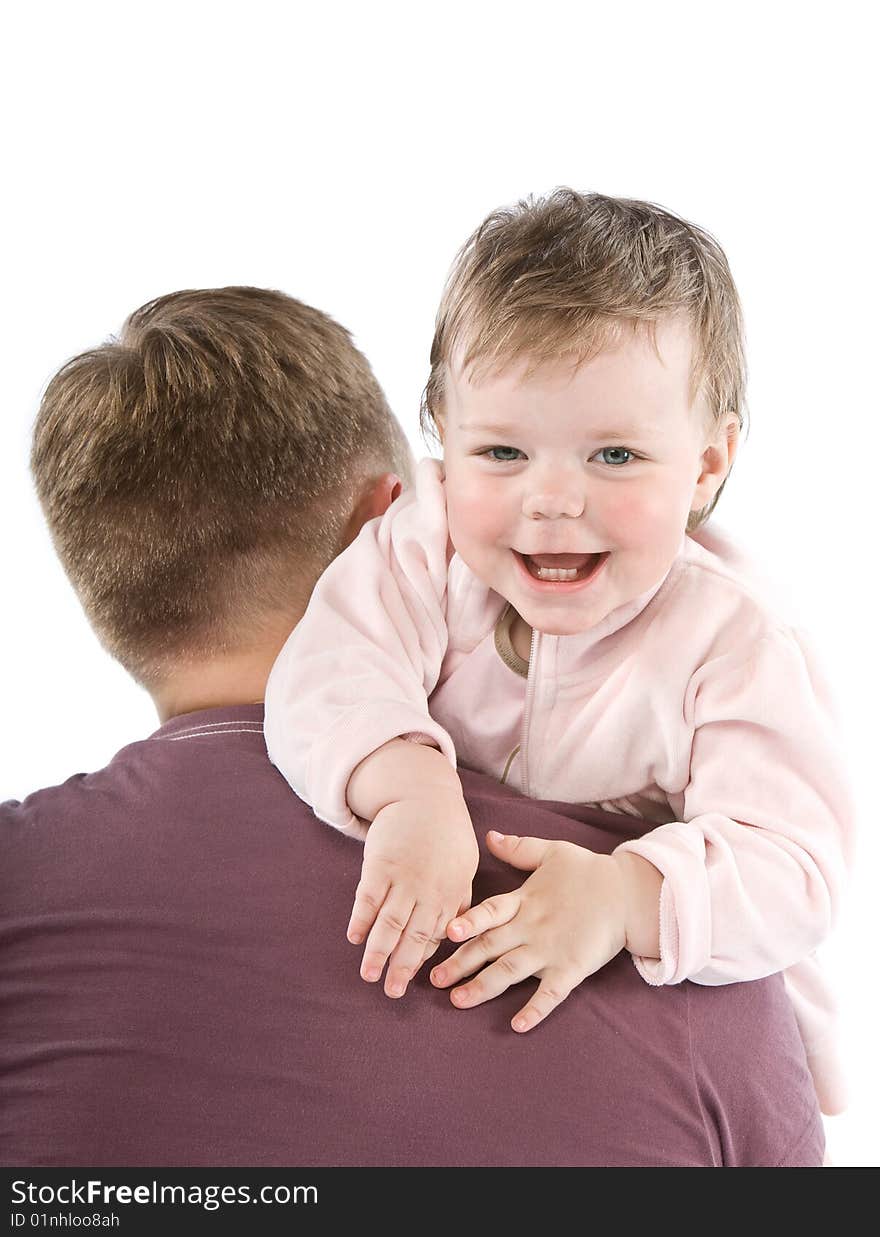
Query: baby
[(538, 609)]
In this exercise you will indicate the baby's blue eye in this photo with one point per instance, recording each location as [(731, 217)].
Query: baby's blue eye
[(505, 455), (617, 452)]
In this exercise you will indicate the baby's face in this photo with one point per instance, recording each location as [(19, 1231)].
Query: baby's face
[(601, 464)]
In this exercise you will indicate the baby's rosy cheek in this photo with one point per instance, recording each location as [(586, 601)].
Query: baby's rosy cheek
[(475, 510), (630, 519)]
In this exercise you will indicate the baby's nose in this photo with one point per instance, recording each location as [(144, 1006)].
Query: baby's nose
[(555, 497)]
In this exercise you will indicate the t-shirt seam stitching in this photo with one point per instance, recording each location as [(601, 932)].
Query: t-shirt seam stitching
[(245, 728)]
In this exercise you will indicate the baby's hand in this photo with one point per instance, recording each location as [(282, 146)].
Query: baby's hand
[(420, 857), (565, 922)]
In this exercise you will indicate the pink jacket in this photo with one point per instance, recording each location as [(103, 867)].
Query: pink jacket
[(694, 707)]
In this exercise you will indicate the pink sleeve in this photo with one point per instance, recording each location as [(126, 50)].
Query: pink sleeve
[(359, 667), (754, 871)]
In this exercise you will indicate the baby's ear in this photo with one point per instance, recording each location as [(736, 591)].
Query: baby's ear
[(716, 462)]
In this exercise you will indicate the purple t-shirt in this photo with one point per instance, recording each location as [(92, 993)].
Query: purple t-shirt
[(176, 989)]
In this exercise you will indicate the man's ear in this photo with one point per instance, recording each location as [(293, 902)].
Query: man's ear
[(376, 497), (715, 463)]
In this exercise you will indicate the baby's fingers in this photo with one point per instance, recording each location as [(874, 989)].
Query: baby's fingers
[(552, 991), (391, 922), (437, 939), (476, 954), (489, 914), (368, 898), (510, 968), (423, 934)]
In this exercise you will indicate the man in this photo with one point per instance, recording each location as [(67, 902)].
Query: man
[(166, 997)]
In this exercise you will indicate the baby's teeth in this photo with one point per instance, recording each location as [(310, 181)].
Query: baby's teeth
[(557, 573)]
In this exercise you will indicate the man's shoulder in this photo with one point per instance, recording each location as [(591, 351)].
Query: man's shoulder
[(49, 799), (174, 763)]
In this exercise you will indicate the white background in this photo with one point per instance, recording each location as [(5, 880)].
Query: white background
[(342, 153)]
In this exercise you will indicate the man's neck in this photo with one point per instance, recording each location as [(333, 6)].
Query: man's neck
[(238, 677)]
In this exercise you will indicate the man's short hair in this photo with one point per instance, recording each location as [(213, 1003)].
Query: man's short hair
[(565, 275), (193, 470)]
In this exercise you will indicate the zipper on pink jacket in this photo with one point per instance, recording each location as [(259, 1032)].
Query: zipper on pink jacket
[(527, 715)]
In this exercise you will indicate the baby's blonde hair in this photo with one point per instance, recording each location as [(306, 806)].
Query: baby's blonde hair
[(565, 275)]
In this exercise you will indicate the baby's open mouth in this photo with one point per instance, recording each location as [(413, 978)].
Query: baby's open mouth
[(561, 567)]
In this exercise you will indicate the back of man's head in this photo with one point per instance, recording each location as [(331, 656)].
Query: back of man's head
[(197, 470)]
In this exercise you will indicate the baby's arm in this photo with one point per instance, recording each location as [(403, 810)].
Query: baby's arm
[(351, 682), (755, 865), (743, 885), (358, 669), (420, 857)]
